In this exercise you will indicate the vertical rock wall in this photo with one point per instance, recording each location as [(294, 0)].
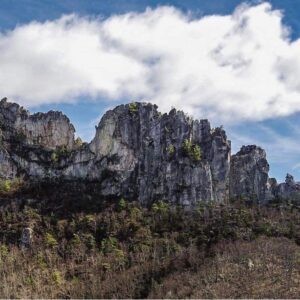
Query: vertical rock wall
[(137, 153), (146, 153), (48, 130), (249, 174)]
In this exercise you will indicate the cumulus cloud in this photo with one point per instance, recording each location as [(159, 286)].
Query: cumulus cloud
[(236, 67)]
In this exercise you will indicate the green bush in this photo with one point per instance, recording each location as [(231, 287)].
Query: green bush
[(262, 229), (187, 147), (3, 251), (31, 214), (50, 240), (108, 245), (196, 153), (54, 157), (57, 278), (122, 204), (160, 207), (58, 153), (7, 186), (133, 108), (10, 185), (191, 150), (171, 150), (87, 222), (89, 241)]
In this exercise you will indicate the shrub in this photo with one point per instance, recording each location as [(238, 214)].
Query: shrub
[(7, 186), (54, 157), (187, 147), (196, 153), (10, 185), (50, 240), (108, 245), (193, 151), (3, 251), (31, 214), (57, 278), (160, 207), (87, 222), (262, 229), (135, 214), (78, 142), (171, 150), (133, 108), (119, 257), (75, 241), (122, 204), (60, 151), (40, 261), (89, 241)]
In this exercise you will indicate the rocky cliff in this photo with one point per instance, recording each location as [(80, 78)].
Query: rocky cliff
[(161, 157), (290, 189), (137, 153), (49, 130), (249, 174)]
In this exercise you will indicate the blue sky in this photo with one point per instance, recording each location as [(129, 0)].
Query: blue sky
[(277, 130)]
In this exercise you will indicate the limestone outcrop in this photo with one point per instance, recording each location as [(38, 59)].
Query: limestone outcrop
[(249, 177), (137, 153), (27, 141), (155, 156), (48, 130), (290, 189)]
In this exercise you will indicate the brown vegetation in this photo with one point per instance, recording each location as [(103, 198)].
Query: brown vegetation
[(126, 251)]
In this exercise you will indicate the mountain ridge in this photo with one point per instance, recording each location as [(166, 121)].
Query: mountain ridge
[(137, 153)]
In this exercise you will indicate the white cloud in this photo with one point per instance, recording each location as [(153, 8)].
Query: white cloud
[(280, 147), (235, 67)]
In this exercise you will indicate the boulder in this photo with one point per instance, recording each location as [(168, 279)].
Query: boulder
[(27, 237)]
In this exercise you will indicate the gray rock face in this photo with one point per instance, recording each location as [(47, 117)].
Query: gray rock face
[(289, 189), (27, 141), (137, 153), (49, 130), (141, 152), (249, 174), (26, 238)]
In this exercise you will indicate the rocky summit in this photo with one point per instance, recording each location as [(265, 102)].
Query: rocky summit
[(137, 153)]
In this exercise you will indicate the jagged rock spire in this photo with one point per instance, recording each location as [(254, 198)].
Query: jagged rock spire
[(137, 153)]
